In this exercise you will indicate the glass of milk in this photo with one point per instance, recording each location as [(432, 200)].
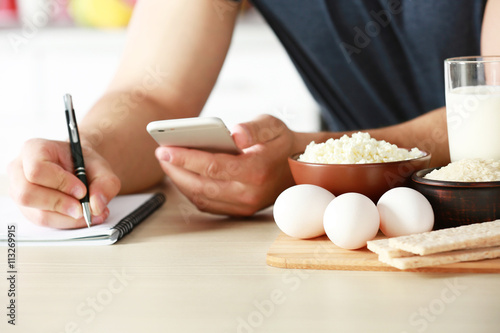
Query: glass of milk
[(473, 107)]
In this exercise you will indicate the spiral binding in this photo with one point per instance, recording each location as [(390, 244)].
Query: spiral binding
[(140, 214)]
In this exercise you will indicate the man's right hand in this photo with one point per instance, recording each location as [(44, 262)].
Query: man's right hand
[(43, 184)]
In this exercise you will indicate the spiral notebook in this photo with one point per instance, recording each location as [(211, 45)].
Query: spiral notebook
[(126, 212)]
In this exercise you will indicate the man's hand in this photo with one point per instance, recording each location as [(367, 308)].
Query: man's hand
[(43, 184), (235, 185)]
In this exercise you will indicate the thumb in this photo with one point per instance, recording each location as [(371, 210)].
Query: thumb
[(263, 129)]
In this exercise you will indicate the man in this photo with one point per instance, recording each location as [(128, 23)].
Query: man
[(369, 64)]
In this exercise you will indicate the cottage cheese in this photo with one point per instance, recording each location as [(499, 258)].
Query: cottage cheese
[(358, 149), (468, 170)]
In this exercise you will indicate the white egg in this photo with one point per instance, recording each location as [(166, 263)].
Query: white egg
[(404, 211), (298, 211), (351, 220)]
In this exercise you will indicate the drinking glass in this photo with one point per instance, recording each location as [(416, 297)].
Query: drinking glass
[(473, 107)]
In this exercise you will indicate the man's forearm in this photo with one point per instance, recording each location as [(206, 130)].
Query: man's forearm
[(427, 132), (168, 68), (116, 128)]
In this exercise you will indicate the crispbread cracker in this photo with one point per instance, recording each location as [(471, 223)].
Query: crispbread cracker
[(485, 234), (382, 248), (442, 258)]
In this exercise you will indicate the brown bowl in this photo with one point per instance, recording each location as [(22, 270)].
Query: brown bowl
[(459, 203), (370, 179)]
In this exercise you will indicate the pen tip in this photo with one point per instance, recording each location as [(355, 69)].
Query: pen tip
[(86, 214)]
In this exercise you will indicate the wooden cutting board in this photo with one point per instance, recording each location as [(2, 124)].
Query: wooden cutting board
[(321, 253)]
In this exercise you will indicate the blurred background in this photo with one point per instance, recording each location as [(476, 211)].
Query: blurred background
[(52, 47)]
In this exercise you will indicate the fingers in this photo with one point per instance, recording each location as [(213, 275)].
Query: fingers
[(211, 181), (47, 207), (263, 129), (104, 184), (210, 195), (55, 220), (50, 165), (28, 194), (43, 184), (213, 166)]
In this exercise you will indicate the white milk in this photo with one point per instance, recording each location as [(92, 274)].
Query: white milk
[(473, 115)]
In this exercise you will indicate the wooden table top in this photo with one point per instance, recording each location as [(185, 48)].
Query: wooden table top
[(185, 271)]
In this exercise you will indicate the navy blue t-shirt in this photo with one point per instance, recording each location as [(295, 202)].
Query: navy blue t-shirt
[(373, 63)]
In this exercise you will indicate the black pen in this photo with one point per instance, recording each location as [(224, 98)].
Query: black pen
[(76, 153)]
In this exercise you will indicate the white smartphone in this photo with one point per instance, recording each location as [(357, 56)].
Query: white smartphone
[(204, 133)]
